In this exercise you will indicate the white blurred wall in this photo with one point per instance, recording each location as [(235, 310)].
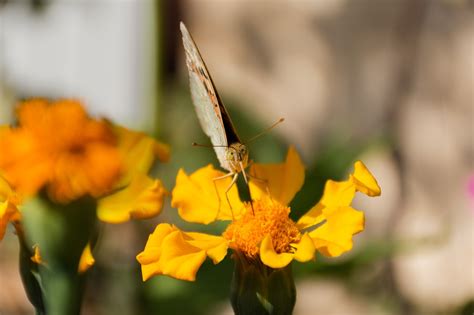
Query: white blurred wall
[(100, 51)]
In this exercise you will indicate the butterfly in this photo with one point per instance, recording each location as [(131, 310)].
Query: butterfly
[(213, 117), (215, 121)]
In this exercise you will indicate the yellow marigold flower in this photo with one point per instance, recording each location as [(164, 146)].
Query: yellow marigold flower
[(56, 146), (261, 231), (9, 201)]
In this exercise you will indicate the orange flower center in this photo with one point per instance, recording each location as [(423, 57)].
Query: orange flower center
[(268, 217)]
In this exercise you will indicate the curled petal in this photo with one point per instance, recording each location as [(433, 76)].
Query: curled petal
[(150, 257), (197, 199), (304, 249), (87, 260), (271, 258), (364, 181), (172, 252), (142, 199), (152, 251), (338, 194), (139, 152), (283, 180), (215, 246), (334, 237), (180, 259)]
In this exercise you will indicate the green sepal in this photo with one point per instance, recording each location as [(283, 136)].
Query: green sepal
[(257, 289), (29, 272), (61, 232)]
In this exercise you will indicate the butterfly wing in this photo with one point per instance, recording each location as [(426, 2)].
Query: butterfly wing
[(212, 115)]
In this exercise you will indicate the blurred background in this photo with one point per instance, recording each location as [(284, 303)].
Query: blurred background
[(389, 82)]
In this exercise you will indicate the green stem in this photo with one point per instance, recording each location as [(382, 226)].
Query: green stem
[(63, 292), (30, 274)]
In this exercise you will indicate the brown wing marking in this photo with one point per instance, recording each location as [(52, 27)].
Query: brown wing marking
[(219, 108)]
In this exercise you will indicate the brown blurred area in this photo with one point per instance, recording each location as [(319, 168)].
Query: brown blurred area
[(399, 74), (404, 69)]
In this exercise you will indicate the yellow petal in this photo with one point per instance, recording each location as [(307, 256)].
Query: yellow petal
[(4, 218), (142, 199), (8, 212), (271, 258), (338, 194), (3, 208), (138, 152), (179, 259), (151, 254), (8, 209), (365, 182), (284, 180), (197, 200), (334, 237), (152, 249), (312, 217), (304, 249), (87, 260), (150, 270), (5, 189), (215, 246), (172, 252)]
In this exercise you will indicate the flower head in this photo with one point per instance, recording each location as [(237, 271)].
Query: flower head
[(59, 148), (260, 231), (265, 217)]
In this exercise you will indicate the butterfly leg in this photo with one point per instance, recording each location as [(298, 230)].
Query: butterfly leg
[(234, 179), (214, 180)]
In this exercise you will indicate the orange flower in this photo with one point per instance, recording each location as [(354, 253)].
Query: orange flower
[(57, 146)]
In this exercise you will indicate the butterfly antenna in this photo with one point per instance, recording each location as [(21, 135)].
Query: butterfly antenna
[(265, 131)]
